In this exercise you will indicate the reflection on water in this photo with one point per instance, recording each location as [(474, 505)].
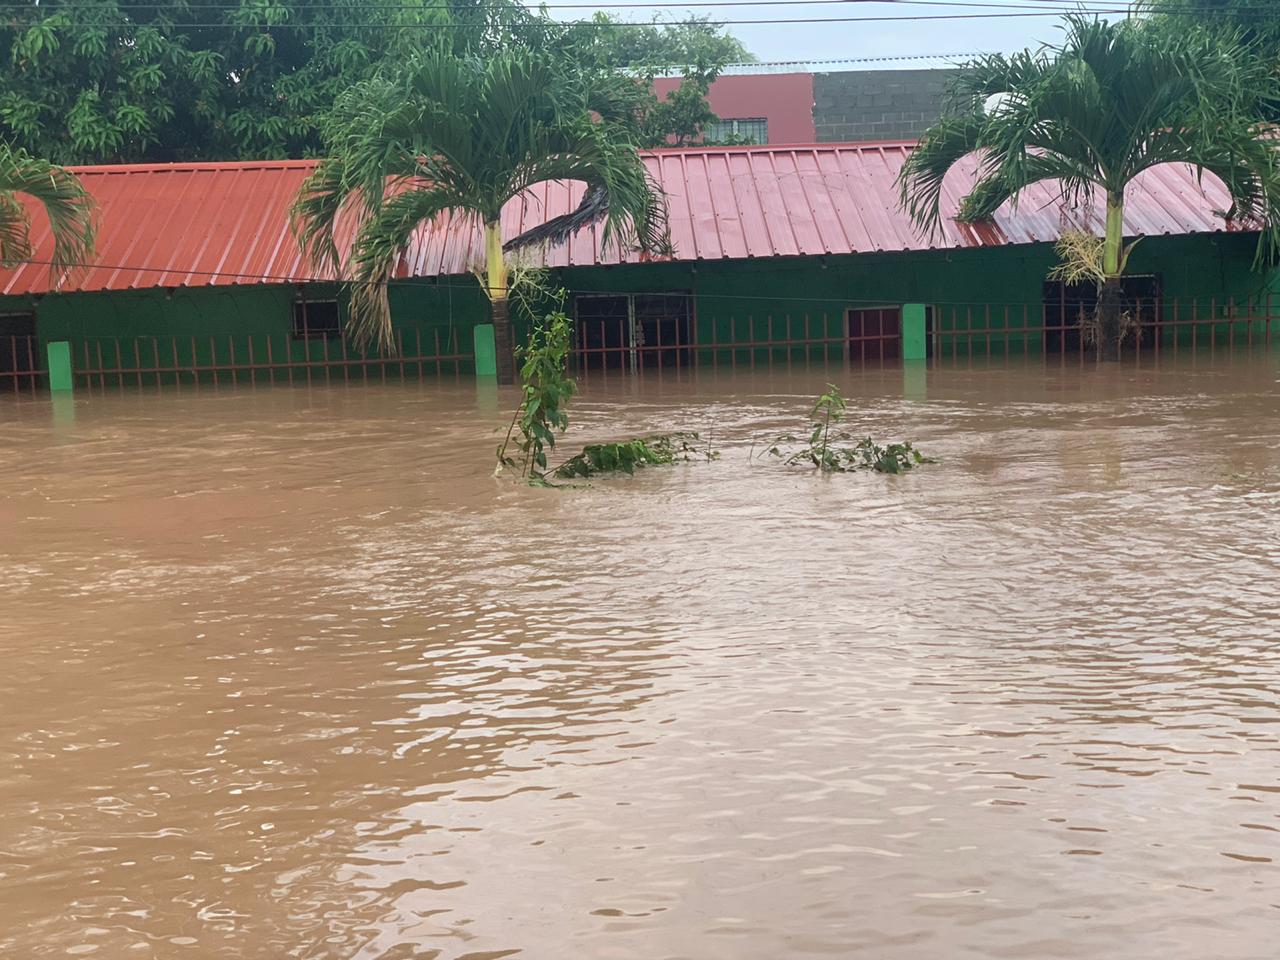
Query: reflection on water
[(288, 674)]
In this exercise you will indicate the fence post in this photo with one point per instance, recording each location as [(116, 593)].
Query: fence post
[(913, 331), (486, 351), (60, 378)]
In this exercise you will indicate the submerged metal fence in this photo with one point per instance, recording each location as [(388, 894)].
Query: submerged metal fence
[(731, 341), (972, 331), (873, 335), (106, 362), (1052, 333)]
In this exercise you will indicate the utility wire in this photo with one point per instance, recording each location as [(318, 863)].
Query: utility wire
[(1022, 8), (1021, 12), (1021, 4), (592, 24)]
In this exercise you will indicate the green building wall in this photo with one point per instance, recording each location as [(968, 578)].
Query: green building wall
[(735, 302), (973, 289), (248, 327)]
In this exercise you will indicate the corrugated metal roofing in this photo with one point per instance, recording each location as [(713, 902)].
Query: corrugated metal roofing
[(227, 223), (745, 202), (181, 225)]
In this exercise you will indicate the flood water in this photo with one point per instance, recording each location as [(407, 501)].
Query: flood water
[(287, 674)]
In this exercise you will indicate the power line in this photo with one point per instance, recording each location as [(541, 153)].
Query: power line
[(615, 4), (1023, 8), (627, 23), (1014, 11)]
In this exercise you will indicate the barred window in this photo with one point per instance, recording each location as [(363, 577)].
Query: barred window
[(749, 131), (18, 345), (316, 320)]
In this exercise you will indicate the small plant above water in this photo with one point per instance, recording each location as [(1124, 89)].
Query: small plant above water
[(546, 389), (833, 451), (542, 414)]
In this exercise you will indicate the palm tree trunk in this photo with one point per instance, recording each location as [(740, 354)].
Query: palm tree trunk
[(504, 351), (1111, 296), (496, 288)]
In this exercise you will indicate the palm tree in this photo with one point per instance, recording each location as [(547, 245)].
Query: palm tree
[(1091, 114), (64, 200), (461, 135)]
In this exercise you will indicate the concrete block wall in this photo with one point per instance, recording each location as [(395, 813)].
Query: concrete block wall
[(877, 104)]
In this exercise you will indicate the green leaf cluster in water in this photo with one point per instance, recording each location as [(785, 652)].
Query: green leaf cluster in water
[(823, 448), (866, 454), (626, 455)]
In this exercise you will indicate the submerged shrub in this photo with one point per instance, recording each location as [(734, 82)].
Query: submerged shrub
[(545, 391), (823, 447), (626, 455)]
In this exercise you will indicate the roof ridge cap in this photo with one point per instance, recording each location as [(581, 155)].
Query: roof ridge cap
[(192, 165)]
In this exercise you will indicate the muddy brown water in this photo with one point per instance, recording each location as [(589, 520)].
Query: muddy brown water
[(287, 674)]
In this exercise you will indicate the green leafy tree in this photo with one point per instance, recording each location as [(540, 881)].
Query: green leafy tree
[(695, 50), (109, 80), (680, 117), (1252, 22), (83, 83), (1091, 114), (699, 43), (1250, 19), (90, 81), (64, 201), (458, 135)]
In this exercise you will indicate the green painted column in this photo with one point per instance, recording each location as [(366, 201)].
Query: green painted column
[(915, 380), (486, 351), (913, 331), (487, 394), (64, 410), (59, 354)]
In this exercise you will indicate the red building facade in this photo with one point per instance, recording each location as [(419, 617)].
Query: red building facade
[(777, 105), (784, 104)]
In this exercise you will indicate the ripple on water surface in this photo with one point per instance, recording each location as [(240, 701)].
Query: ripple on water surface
[(289, 675)]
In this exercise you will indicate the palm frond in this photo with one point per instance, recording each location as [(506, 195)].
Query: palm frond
[(375, 255), (15, 231), (620, 194), (448, 132), (370, 133), (314, 214), (953, 138), (592, 208), (65, 202), (1092, 112), (1250, 170), (996, 185)]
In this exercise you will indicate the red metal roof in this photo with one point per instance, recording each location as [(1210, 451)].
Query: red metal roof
[(176, 225), (227, 223)]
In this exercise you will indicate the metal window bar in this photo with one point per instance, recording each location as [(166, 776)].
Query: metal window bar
[(25, 370)]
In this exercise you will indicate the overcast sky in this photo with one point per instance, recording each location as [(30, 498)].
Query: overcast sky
[(870, 38)]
